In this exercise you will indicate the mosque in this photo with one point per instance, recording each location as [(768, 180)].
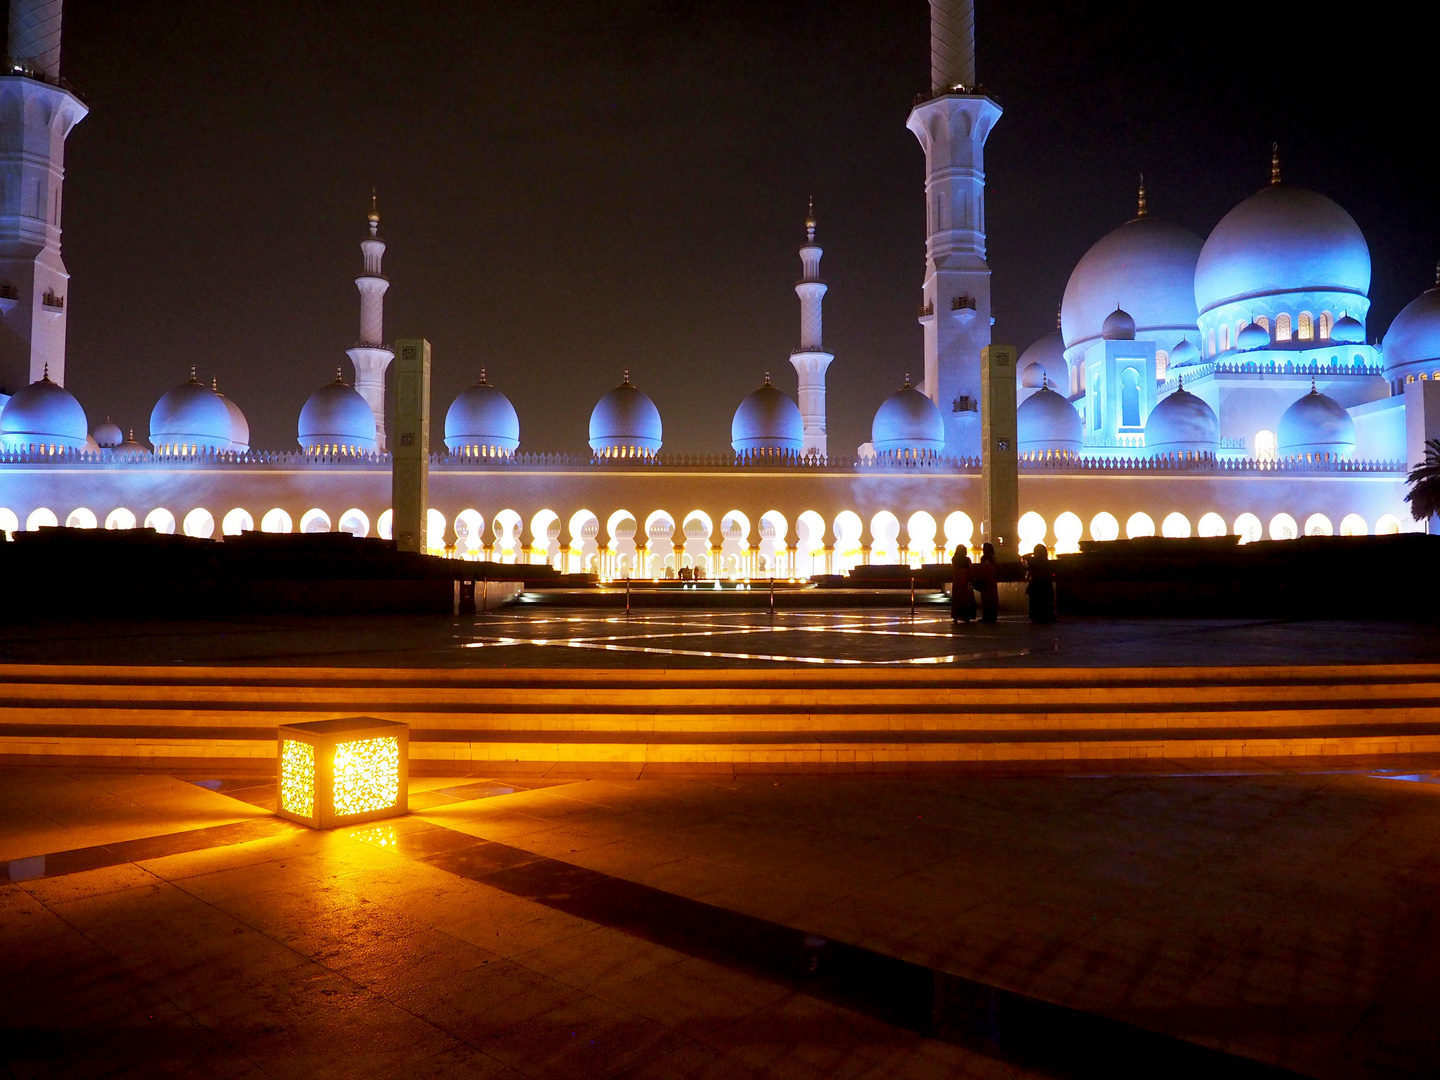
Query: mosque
[(1193, 387)]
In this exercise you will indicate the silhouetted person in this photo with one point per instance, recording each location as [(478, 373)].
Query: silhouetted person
[(1041, 589), (962, 592), (987, 580)]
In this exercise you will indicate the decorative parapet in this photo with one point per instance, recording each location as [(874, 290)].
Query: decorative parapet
[(1271, 367), (1067, 461)]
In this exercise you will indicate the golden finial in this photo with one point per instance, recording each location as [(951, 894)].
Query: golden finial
[(482, 378), (193, 377), (339, 373), (374, 215), (625, 377), (810, 220), (1275, 163), (907, 381), (767, 378), (1437, 273), (1141, 209), (1044, 382), (1059, 310), (214, 384)]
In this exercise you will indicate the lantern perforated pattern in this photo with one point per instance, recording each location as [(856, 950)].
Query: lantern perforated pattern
[(367, 776), (297, 777)]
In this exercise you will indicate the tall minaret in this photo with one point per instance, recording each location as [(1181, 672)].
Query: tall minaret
[(952, 124), (36, 114), (371, 356), (811, 359)]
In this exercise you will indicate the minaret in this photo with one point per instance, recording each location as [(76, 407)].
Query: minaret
[(811, 359), (36, 114), (371, 356), (952, 124)]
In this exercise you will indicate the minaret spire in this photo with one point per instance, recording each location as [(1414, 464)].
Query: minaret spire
[(371, 356), (811, 359), (952, 126), (37, 113)]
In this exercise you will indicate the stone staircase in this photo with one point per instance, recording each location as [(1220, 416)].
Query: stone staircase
[(775, 719)]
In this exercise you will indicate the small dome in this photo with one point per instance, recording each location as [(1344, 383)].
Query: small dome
[(1252, 336), (1348, 330), (625, 423), (1182, 422), (43, 414), (481, 420), (1148, 265), (907, 421), (1118, 326), (1316, 424), (1044, 359), (1184, 354), (239, 426), (767, 420), (1046, 421), (191, 415), (1414, 336), (1282, 239), (336, 419), (108, 435)]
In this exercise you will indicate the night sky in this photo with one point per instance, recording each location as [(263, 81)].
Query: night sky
[(569, 189)]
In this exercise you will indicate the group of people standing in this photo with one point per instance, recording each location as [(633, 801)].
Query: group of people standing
[(984, 578)]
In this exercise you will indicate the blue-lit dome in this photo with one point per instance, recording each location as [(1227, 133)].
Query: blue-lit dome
[(907, 422), (43, 415), (1182, 422), (1119, 325), (482, 421), (767, 421), (188, 418), (1252, 336), (1283, 239), (337, 420), (1348, 330), (1316, 424), (625, 423), (1044, 360), (1412, 344), (1148, 267), (239, 426), (108, 435), (1184, 353), (1046, 421)]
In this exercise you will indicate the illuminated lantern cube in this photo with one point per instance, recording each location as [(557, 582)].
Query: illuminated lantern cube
[(337, 772)]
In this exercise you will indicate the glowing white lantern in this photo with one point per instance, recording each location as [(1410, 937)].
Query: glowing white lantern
[(338, 772)]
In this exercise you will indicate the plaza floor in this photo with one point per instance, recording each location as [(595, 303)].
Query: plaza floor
[(1104, 925), (542, 636)]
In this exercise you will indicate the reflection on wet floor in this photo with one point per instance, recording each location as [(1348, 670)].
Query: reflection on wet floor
[(845, 638)]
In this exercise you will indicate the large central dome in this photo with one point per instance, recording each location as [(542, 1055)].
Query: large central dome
[(1283, 239), (1146, 266)]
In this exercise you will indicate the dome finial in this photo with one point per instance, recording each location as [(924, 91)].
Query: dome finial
[(1275, 163), (907, 380), (1180, 384), (1437, 273), (374, 216), (1045, 381), (193, 377), (1059, 311), (1312, 385), (483, 381), (767, 378), (46, 376), (625, 377), (214, 384), (339, 374), (1141, 209)]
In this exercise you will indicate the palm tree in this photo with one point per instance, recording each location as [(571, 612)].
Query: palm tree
[(1424, 497)]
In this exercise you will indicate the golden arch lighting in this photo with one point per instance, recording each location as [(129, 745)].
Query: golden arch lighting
[(338, 772)]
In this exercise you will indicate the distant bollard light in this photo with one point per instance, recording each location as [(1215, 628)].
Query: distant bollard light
[(338, 772)]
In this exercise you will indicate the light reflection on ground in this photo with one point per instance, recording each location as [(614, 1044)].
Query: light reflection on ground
[(848, 637)]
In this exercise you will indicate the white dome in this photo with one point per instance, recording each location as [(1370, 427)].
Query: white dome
[(1182, 422), (1413, 340), (1316, 424), (1148, 267), (1046, 421), (191, 415), (625, 423), (1184, 353), (239, 426), (1348, 330), (109, 435), (481, 420), (907, 421), (43, 414), (1251, 336), (1045, 357), (767, 420), (336, 419), (1283, 239)]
